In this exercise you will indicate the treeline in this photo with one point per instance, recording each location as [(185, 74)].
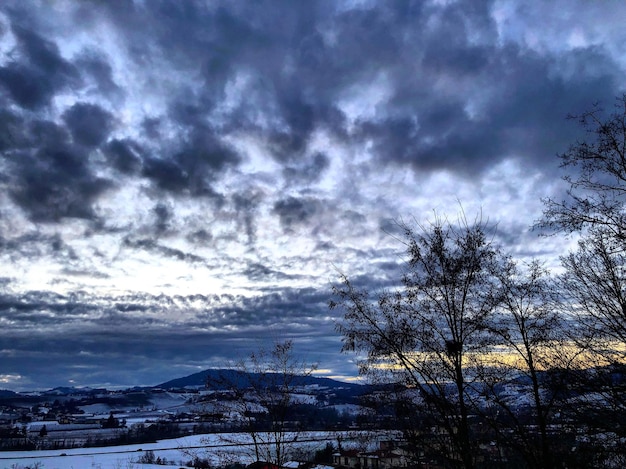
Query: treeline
[(16, 439), (489, 361)]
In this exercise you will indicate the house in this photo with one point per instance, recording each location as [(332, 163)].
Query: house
[(346, 458), (388, 455)]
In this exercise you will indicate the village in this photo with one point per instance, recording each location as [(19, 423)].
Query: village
[(331, 428)]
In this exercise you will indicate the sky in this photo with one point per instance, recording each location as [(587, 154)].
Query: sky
[(182, 182)]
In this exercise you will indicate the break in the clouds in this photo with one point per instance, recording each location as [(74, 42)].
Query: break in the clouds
[(177, 178)]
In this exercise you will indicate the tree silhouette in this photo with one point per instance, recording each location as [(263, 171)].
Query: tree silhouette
[(261, 394), (593, 285), (429, 333)]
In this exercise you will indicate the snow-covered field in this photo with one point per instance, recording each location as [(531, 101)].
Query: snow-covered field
[(217, 448), (114, 457)]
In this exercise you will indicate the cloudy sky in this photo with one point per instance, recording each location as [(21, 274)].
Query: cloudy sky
[(181, 181)]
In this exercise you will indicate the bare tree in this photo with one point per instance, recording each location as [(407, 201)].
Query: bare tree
[(594, 282), (426, 334), (596, 173), (530, 343), (261, 388)]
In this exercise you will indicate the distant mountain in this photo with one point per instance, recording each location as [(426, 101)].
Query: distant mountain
[(73, 391), (225, 378)]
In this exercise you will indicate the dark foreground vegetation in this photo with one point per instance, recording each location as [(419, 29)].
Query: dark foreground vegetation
[(497, 362)]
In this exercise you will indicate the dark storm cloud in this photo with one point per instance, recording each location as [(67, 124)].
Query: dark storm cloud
[(55, 182), (167, 175), (246, 206), (37, 71), (294, 211), (220, 42), (96, 67), (204, 150), (11, 131), (298, 76), (163, 215), (41, 310), (89, 124), (200, 237), (45, 362), (261, 272), (285, 309), (48, 175), (151, 245), (524, 119), (54, 178), (36, 245), (308, 170), (124, 154), (72, 272), (193, 166), (151, 127), (165, 103), (148, 334), (20, 133)]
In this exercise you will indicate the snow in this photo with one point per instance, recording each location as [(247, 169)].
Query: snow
[(352, 409), (96, 409), (304, 398), (179, 451), (115, 457)]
